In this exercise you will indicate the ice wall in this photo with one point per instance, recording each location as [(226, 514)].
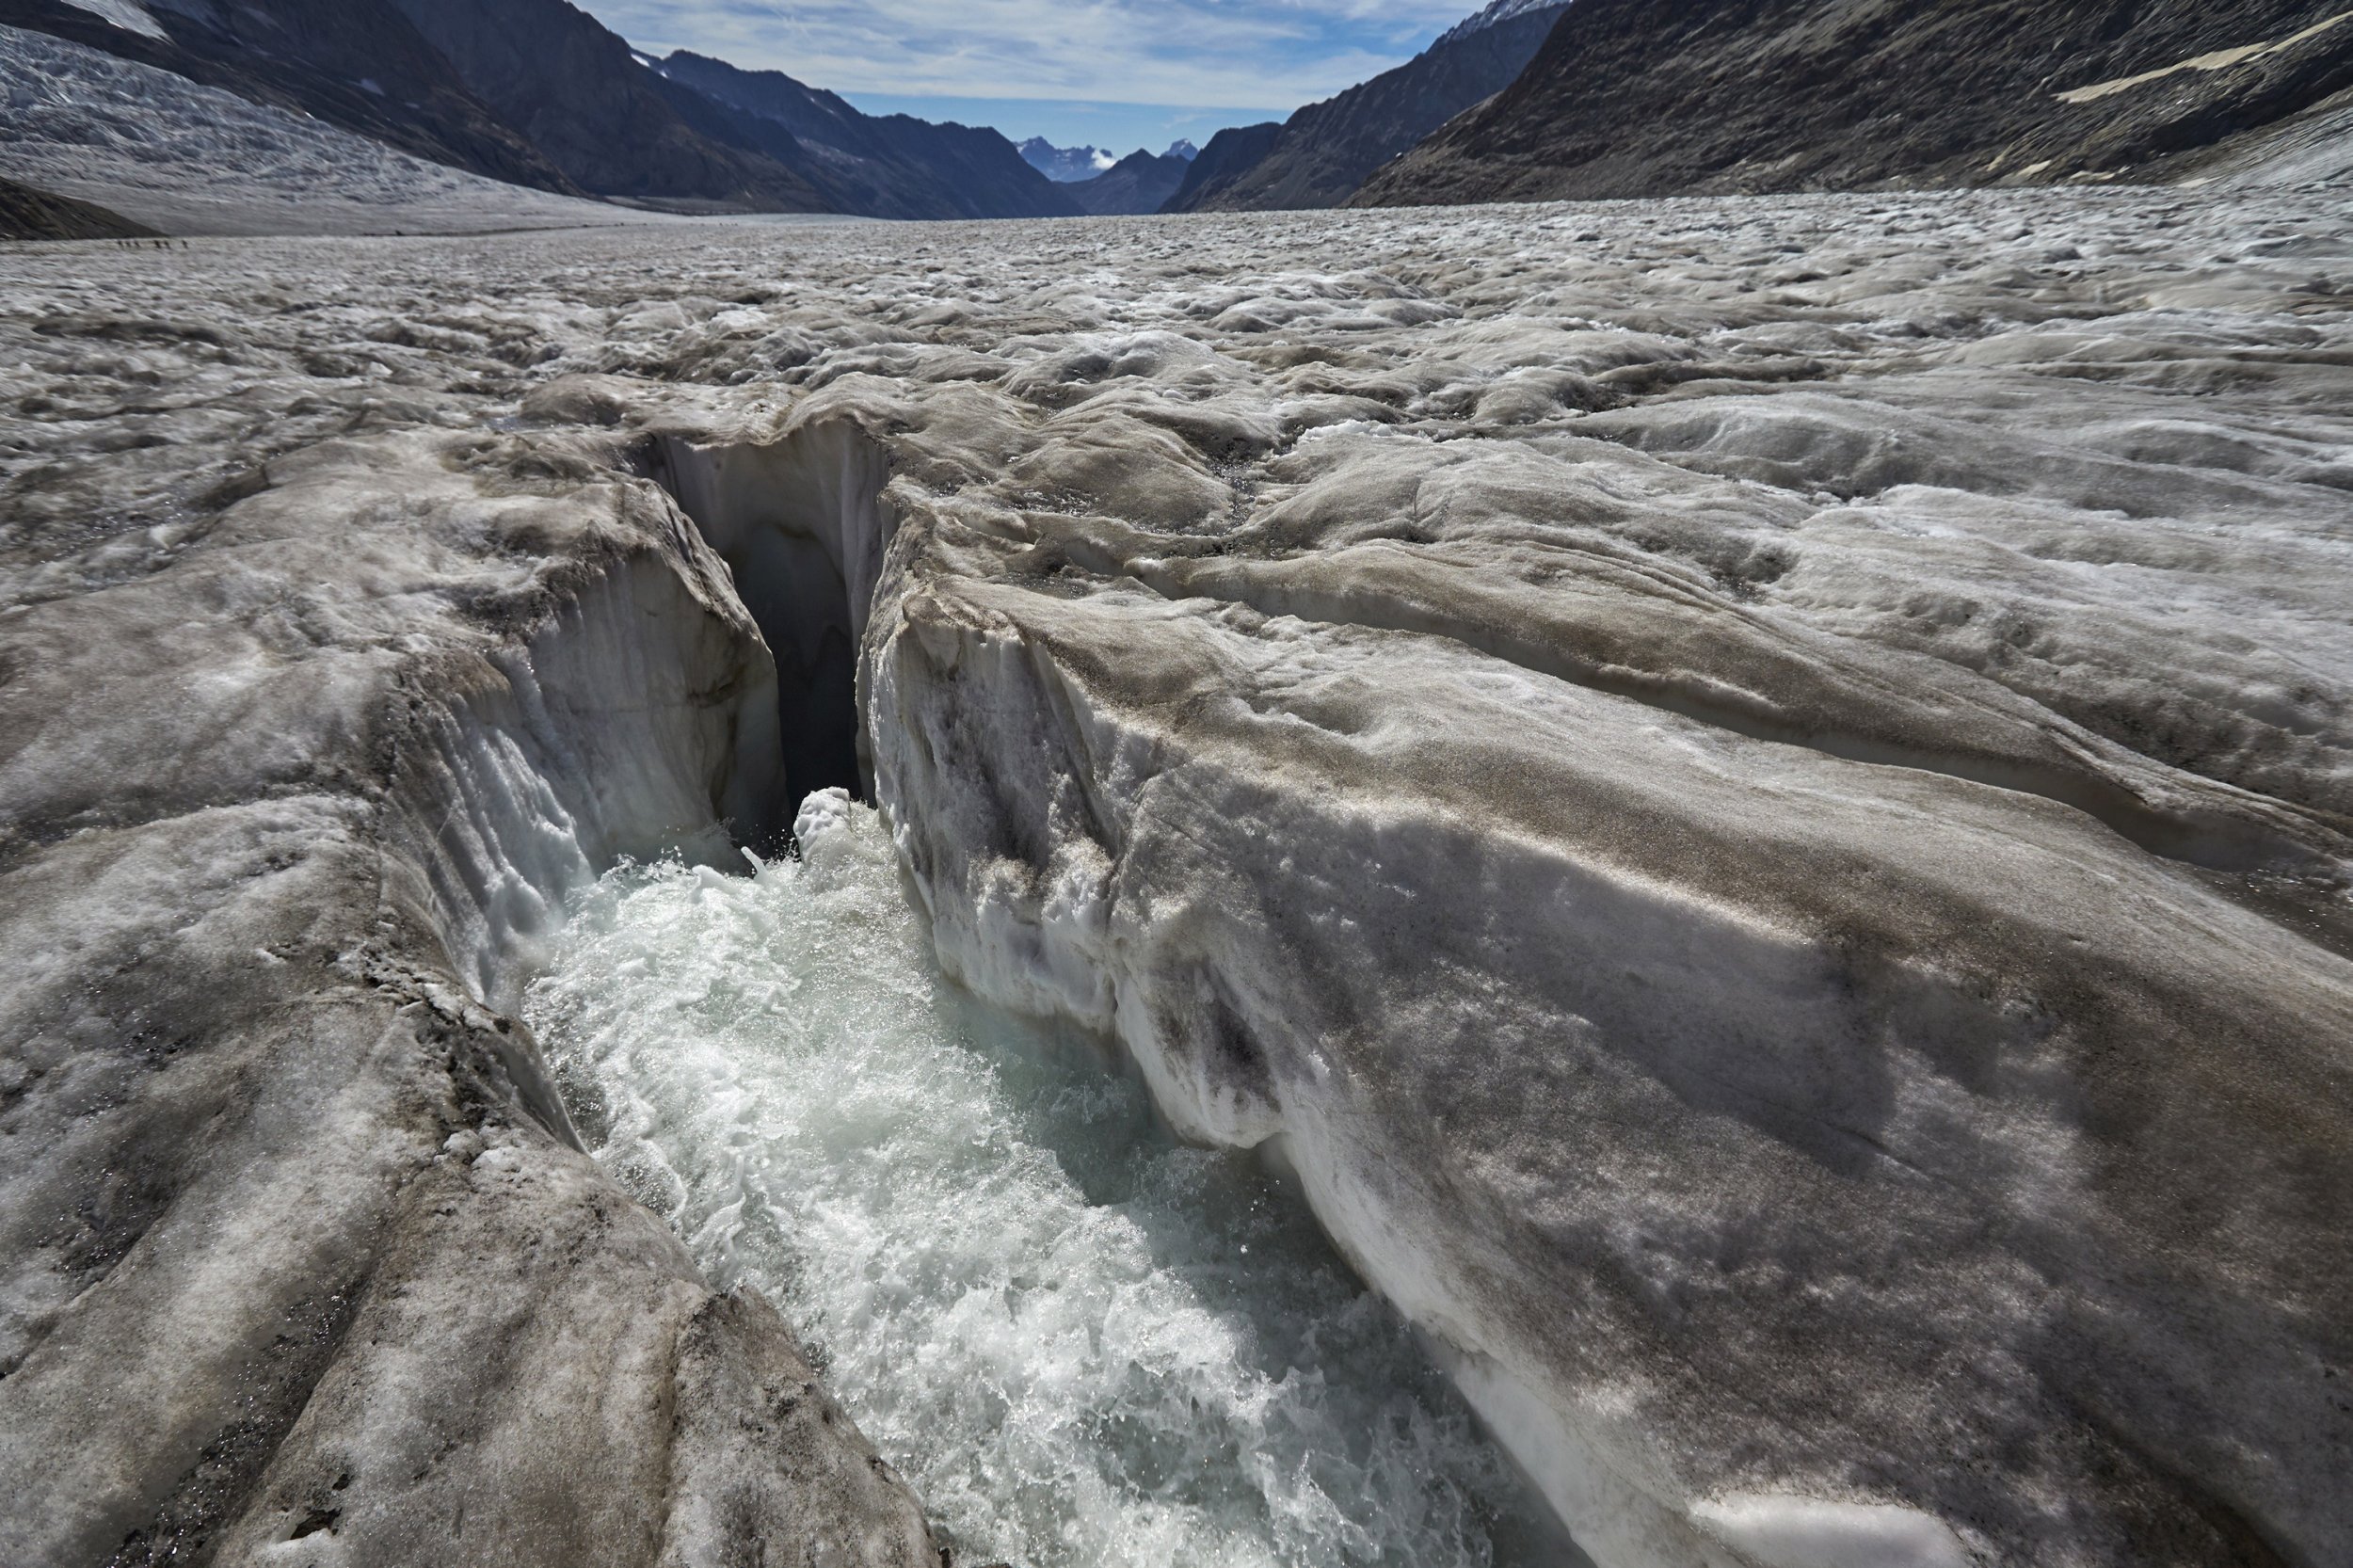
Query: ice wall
[(636, 722), (300, 1257), (801, 523), (1721, 1163)]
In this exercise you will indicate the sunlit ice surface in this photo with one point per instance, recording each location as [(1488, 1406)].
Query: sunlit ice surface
[(1081, 1341)]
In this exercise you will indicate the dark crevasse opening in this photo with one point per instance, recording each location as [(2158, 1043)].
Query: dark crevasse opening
[(795, 592), (801, 523)]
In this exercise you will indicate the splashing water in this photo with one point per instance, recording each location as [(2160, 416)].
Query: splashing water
[(1083, 1343)]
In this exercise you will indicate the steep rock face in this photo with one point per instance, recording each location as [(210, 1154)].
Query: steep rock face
[(1138, 182), (358, 65), (891, 165), (1630, 98), (1327, 149), (1228, 158), (573, 87)]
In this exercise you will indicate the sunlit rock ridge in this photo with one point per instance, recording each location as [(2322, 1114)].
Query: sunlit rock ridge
[(1753, 795)]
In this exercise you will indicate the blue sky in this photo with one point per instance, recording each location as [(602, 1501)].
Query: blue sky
[(1117, 73)]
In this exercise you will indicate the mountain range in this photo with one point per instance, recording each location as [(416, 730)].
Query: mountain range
[(879, 166), (1140, 182), (1525, 100), (539, 93), (1072, 165), (1065, 165)]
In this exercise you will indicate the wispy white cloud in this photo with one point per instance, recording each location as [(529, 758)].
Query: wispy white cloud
[(1195, 53)]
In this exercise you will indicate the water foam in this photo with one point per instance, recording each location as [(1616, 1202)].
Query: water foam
[(1084, 1343)]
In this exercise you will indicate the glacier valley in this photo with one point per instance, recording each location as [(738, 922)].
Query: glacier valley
[(1719, 830)]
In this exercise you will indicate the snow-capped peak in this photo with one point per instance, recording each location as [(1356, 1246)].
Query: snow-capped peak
[(1497, 13)]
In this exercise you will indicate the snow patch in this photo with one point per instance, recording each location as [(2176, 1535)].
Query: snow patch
[(1814, 1532), (127, 14), (1495, 15), (2220, 60)]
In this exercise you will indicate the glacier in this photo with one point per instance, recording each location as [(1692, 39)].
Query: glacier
[(1751, 797)]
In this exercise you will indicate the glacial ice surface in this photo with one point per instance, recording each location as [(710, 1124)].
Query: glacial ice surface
[(1758, 792), (1083, 1342)]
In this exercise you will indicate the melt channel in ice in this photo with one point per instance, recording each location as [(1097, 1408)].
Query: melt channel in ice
[(1081, 1341)]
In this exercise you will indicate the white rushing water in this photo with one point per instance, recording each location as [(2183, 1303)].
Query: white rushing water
[(1083, 1342)]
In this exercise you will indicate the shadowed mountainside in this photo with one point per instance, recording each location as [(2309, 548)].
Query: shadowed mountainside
[(1327, 149), (881, 166), (1638, 97), (26, 213), (1230, 155), (1140, 182), (572, 86)]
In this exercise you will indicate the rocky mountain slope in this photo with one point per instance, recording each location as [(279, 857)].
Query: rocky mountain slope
[(574, 89), (174, 156), (1327, 149), (1231, 154), (1140, 182), (1635, 97), (890, 166)]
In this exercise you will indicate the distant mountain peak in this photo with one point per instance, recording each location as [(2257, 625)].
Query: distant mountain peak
[(1497, 13), (1066, 164), (1182, 149), (1138, 182)]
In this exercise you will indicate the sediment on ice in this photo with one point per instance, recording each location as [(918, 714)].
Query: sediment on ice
[(308, 1251)]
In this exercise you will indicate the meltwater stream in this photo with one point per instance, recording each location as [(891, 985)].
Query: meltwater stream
[(1084, 1343)]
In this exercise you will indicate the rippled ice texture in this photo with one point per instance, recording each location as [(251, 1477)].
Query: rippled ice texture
[(1084, 1343)]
